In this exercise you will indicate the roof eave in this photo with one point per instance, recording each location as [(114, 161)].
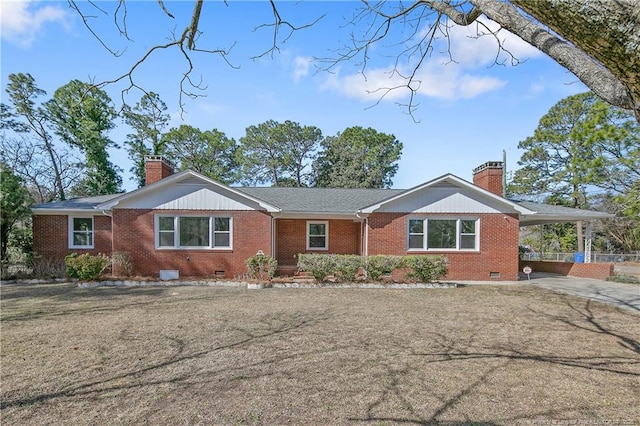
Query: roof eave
[(545, 219), (45, 211)]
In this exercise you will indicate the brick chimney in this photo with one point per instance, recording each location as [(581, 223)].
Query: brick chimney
[(156, 167), (490, 176)]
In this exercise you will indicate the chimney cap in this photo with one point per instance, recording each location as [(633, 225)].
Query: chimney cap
[(161, 158), (489, 165)]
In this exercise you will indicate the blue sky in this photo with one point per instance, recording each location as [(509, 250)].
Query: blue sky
[(469, 110)]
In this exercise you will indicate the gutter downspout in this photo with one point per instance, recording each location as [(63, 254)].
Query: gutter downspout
[(108, 214), (365, 249), (274, 216), (364, 238)]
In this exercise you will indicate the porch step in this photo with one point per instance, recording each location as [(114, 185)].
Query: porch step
[(286, 270)]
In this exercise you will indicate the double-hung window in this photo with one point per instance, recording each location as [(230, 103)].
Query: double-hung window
[(207, 232), (317, 235), (443, 234), (81, 232)]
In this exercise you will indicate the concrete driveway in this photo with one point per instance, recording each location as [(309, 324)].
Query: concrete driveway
[(626, 296)]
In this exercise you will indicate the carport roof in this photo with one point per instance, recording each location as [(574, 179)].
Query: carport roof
[(547, 213)]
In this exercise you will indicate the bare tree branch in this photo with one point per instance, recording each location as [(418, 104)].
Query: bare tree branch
[(193, 28), (186, 43), (279, 22), (164, 9), (73, 5), (121, 29)]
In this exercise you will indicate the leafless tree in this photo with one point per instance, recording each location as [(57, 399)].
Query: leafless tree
[(598, 41)]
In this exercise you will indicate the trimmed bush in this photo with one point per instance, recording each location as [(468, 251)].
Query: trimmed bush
[(318, 265), (261, 267), (426, 269), (347, 267), (379, 265), (86, 266)]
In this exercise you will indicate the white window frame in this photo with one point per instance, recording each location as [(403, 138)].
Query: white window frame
[(326, 234), (176, 232), (72, 232), (425, 239)]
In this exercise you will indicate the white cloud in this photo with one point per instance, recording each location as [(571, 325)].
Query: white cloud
[(301, 65), (20, 21), (447, 82), (475, 45), (473, 49)]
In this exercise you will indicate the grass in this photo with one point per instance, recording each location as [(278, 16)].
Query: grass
[(200, 355)]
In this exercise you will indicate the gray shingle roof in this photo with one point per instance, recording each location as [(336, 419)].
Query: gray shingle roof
[(77, 203), (320, 200), (548, 209), (342, 201)]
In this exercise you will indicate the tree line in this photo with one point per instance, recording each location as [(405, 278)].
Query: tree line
[(59, 147), (584, 154)]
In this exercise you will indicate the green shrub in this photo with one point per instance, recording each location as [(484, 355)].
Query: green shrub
[(379, 265), (347, 266), (261, 267), (86, 266), (318, 265), (622, 278), (426, 269)]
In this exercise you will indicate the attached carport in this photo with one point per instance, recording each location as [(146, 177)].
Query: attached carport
[(545, 214)]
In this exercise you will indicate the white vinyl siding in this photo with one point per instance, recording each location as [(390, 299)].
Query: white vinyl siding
[(81, 232), (199, 232), (443, 234)]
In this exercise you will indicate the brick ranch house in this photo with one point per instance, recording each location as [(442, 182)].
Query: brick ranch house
[(189, 223)]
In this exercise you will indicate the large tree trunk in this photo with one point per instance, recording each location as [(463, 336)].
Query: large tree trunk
[(599, 40)]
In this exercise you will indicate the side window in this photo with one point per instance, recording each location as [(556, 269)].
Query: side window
[(222, 232), (166, 231), (318, 235), (81, 232), (468, 235), (416, 234)]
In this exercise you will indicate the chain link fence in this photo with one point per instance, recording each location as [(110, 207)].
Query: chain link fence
[(595, 257)]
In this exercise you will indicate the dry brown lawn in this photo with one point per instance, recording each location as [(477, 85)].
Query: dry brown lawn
[(202, 355)]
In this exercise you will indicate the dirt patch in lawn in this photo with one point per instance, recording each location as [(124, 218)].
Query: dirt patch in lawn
[(202, 355)]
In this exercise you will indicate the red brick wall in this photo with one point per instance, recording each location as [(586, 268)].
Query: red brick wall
[(134, 233), (498, 245), (598, 271), (51, 237), (344, 238)]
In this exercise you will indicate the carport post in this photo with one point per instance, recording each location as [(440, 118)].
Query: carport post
[(587, 244)]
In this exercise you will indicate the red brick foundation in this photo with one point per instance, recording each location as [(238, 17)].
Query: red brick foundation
[(598, 271)]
